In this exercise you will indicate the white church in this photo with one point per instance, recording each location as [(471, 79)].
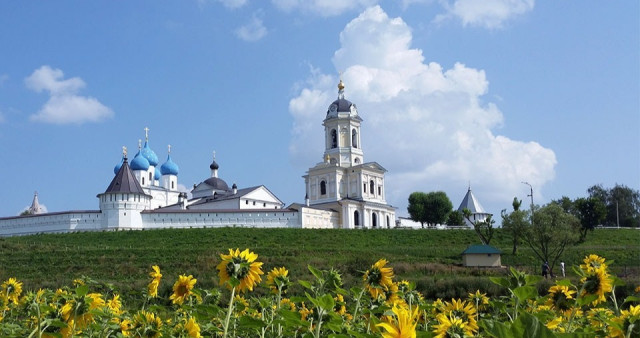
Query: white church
[(343, 191)]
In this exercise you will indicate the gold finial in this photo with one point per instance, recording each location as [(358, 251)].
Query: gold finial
[(139, 144), (124, 151), (340, 84), (327, 158), (146, 133), (169, 149)]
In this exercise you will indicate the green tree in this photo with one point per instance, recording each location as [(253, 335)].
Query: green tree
[(553, 230), (431, 208), (515, 223), (416, 208), (622, 203), (484, 229), (592, 212), (455, 218)]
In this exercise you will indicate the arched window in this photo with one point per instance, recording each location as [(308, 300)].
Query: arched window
[(364, 186), (372, 187), (143, 181), (354, 138), (388, 222), (356, 218), (172, 184), (150, 177), (334, 138), (323, 188), (374, 220)]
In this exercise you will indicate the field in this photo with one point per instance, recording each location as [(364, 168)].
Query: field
[(430, 258)]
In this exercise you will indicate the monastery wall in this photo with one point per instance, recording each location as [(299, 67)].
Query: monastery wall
[(221, 218), (51, 223)]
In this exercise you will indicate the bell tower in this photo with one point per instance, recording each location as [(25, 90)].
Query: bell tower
[(342, 132)]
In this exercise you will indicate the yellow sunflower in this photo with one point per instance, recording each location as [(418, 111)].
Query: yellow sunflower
[(278, 279), (377, 278), (11, 290), (193, 329), (598, 317), (145, 324), (304, 311), (593, 262), (554, 324), (182, 289), (597, 282), (287, 303), (340, 307), (479, 298), (402, 324), (155, 281), (464, 310), (115, 305), (560, 298), (451, 326), (240, 267), (627, 323)]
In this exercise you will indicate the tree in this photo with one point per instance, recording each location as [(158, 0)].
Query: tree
[(416, 208), (591, 211), (515, 222), (552, 231), (622, 203), (431, 208), (455, 218)]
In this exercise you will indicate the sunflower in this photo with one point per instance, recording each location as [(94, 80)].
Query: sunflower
[(554, 324), (240, 267), (182, 289), (451, 326), (377, 278), (115, 305), (11, 290), (598, 317), (304, 312), (155, 281), (278, 280), (340, 307), (593, 262), (626, 323), (479, 298), (597, 282), (193, 329), (560, 298), (464, 310), (402, 324), (287, 303), (145, 324)]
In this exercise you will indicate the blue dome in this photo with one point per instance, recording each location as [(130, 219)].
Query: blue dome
[(118, 166), (139, 163), (156, 175), (169, 167), (149, 154)]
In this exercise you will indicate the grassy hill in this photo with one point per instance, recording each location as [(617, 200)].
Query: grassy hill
[(430, 258)]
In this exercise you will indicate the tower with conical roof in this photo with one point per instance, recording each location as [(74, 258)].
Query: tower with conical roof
[(471, 203), (35, 207), (124, 199), (343, 181)]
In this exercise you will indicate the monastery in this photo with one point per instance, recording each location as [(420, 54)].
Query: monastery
[(343, 191)]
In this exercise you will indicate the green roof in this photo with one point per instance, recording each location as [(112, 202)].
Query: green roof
[(481, 249)]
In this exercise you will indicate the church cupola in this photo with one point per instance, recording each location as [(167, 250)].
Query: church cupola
[(214, 166), (169, 171), (342, 131), (149, 154)]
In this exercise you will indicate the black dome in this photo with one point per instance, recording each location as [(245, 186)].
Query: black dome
[(217, 183), (214, 165), (342, 105)]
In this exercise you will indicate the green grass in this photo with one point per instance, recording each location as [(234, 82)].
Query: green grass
[(430, 258)]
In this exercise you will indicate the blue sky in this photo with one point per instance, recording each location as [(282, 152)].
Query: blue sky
[(489, 93)]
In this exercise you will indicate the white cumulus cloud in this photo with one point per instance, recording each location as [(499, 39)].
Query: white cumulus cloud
[(322, 7), (485, 13), (429, 126), (253, 30), (64, 105)]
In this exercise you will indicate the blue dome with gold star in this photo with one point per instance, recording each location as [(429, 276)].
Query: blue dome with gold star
[(149, 154), (169, 167)]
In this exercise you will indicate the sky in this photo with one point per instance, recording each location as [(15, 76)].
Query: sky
[(453, 94)]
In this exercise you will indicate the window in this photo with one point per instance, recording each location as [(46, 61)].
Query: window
[(379, 190), (150, 177), (254, 202), (246, 202), (364, 186), (356, 218), (264, 205), (371, 186), (354, 138), (334, 138), (143, 181), (172, 184), (374, 220), (388, 222), (323, 188)]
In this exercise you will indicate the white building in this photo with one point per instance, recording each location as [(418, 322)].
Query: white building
[(478, 214), (342, 192)]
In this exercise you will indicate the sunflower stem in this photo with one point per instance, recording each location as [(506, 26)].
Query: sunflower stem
[(226, 321), (355, 312)]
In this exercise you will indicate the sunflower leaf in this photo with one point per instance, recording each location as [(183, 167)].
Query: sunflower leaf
[(315, 272), (82, 290)]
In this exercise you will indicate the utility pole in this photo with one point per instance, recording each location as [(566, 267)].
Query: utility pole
[(530, 195)]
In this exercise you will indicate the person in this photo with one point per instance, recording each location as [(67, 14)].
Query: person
[(545, 269), (562, 268)]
